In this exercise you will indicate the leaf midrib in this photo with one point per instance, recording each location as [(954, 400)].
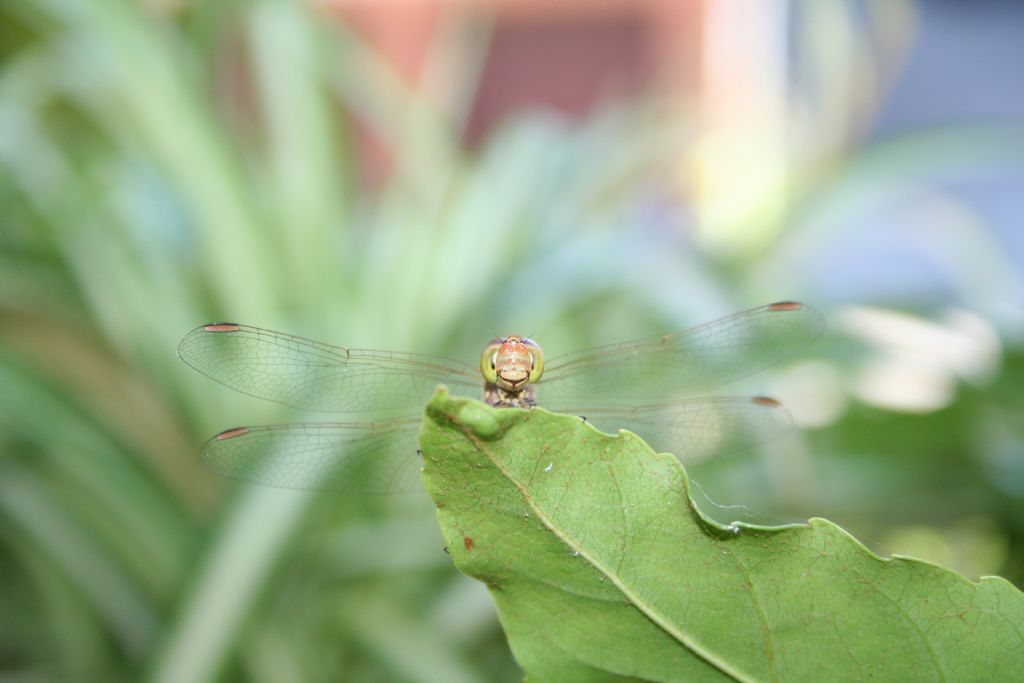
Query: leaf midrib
[(660, 620)]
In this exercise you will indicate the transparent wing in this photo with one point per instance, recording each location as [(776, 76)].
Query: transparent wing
[(360, 458), (311, 375), (694, 429), (685, 363)]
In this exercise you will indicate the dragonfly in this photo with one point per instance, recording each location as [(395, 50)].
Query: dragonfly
[(657, 388)]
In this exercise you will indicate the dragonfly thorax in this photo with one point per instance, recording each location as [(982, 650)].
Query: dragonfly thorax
[(510, 366)]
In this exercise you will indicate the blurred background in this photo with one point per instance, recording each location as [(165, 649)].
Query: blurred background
[(421, 175)]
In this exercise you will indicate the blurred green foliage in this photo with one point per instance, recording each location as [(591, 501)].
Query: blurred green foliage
[(159, 170)]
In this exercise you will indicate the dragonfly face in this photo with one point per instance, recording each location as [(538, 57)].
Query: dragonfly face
[(511, 366), (653, 387)]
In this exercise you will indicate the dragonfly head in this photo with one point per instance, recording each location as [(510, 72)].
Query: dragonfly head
[(512, 362)]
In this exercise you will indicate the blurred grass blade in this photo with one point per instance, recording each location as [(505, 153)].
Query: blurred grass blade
[(25, 501), (243, 554), (309, 186)]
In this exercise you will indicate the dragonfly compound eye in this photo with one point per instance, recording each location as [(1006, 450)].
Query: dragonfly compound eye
[(537, 354), (488, 361)]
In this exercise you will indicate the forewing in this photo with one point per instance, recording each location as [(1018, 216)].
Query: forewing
[(695, 429), (358, 458), (685, 363), (311, 375)]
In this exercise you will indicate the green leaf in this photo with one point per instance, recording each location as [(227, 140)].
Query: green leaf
[(603, 569)]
